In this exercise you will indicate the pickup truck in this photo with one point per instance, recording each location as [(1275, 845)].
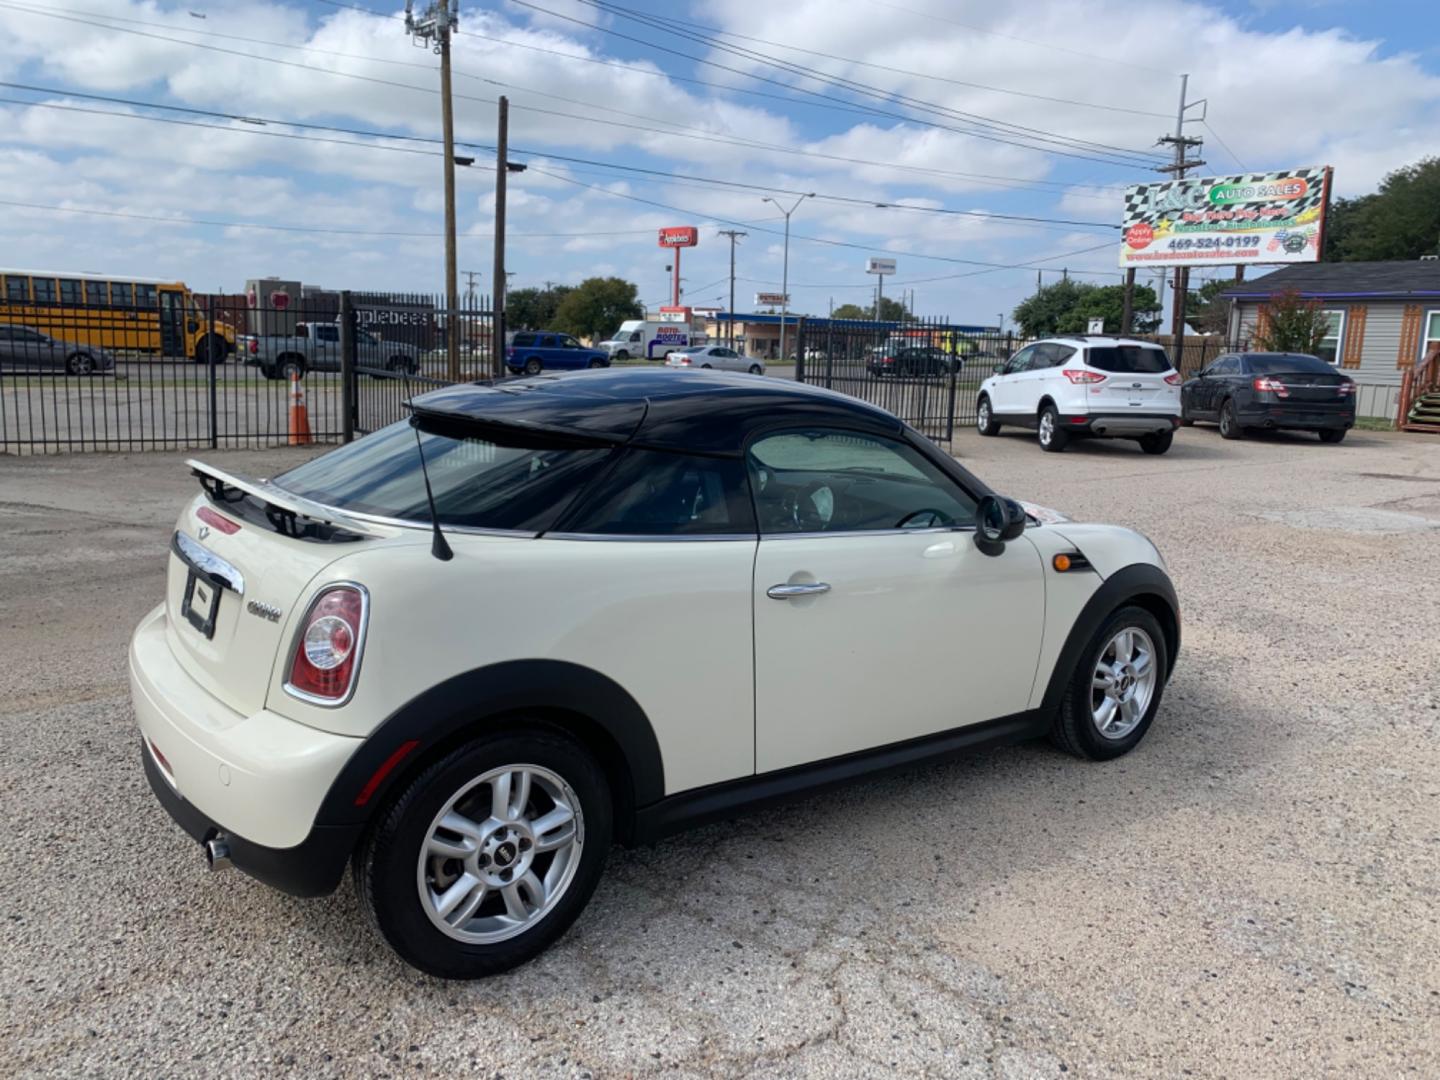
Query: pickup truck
[(315, 346)]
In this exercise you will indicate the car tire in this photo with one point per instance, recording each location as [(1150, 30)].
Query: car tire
[(621, 354), (1331, 435), (704, 367), (1158, 442), (756, 369), (397, 871), (596, 364), (1080, 723), (80, 363), (533, 366), (1230, 427), (985, 421), (211, 348), (1051, 436), (290, 368)]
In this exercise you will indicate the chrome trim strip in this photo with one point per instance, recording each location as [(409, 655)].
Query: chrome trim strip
[(295, 641), (198, 557), (650, 537)]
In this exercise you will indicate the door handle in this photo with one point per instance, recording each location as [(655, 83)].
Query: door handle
[(790, 592)]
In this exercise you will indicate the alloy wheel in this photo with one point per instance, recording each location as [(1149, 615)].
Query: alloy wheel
[(983, 415), (1123, 683), (1047, 427), (500, 854)]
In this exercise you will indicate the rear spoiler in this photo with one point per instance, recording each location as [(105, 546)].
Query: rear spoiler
[(289, 513)]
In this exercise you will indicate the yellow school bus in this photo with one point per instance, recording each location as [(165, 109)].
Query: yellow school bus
[(114, 313)]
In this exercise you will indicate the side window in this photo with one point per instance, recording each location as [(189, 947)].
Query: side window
[(840, 481), (69, 291), (546, 341), (1226, 365), (521, 341), (568, 342), (44, 290), (95, 294), (17, 289), (634, 335), (1021, 361), (147, 296), (655, 493), (121, 294), (325, 332), (1055, 355)]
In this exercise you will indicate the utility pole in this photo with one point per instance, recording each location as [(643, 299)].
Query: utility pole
[(734, 235), (1178, 168), (470, 276), (1127, 313), (437, 22), (785, 273), (497, 302)]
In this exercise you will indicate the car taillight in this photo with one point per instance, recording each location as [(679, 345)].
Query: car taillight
[(1346, 389), (254, 346), (887, 360), (1173, 378), (1265, 383), (327, 653), (1075, 375)]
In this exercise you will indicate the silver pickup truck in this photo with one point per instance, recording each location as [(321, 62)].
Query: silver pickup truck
[(315, 346)]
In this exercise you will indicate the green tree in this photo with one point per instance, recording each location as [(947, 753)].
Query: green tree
[(1401, 221), (534, 309), (1067, 307), (1206, 310), (597, 306), (1292, 324), (850, 311), (890, 311)]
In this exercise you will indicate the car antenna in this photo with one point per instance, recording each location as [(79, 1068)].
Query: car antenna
[(439, 546)]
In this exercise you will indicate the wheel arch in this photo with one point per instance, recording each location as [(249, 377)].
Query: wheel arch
[(1045, 399), (579, 701), (1142, 585)]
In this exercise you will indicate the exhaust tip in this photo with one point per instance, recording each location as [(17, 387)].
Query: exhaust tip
[(217, 853)]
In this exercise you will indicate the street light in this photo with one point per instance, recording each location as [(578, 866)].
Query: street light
[(785, 273)]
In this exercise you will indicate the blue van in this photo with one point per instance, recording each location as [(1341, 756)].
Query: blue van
[(532, 351)]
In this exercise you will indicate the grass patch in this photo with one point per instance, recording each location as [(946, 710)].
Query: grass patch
[(1374, 423)]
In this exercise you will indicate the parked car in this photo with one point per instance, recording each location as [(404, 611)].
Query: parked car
[(1070, 387), (1293, 391), (913, 360), (622, 603), (532, 352), (24, 348), (713, 356), (315, 346)]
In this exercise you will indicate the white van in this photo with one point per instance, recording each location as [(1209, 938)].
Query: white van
[(651, 339)]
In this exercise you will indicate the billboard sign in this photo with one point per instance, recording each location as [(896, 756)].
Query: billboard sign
[(679, 236), (1274, 217), (772, 299), (879, 266)]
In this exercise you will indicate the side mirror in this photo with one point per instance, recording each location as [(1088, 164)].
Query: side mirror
[(997, 521)]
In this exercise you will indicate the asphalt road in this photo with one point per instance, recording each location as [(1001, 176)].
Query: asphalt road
[(1252, 893)]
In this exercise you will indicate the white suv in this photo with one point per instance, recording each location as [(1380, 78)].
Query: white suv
[(1111, 387)]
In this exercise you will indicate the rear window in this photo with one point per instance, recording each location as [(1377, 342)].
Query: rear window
[(1127, 359), (478, 483), (1285, 363)]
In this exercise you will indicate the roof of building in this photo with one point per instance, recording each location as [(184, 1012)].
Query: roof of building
[(820, 321), (707, 412), (1398, 280)]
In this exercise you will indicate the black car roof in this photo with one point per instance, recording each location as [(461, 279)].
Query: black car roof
[(699, 411)]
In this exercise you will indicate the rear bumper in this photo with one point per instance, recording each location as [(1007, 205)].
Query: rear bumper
[(1319, 417), (259, 779), (1121, 425)]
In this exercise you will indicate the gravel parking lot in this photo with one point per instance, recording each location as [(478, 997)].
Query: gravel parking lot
[(1252, 893)]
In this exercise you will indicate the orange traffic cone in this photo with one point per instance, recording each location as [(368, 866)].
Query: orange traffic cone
[(299, 414)]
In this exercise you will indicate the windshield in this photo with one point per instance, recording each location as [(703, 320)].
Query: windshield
[(478, 482), (1283, 363), (1127, 359)]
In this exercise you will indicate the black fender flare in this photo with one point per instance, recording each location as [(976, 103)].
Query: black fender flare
[(1143, 583), (565, 694)]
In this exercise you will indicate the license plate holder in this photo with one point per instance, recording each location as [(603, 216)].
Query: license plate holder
[(200, 603)]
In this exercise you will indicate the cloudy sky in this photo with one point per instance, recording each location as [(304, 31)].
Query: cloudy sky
[(637, 114)]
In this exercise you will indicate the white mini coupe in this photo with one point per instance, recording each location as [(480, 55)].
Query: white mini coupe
[(465, 654)]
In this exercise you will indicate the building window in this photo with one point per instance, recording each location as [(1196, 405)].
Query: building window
[(1431, 335), (1329, 349)]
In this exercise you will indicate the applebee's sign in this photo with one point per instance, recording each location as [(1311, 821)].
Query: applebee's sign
[(679, 236)]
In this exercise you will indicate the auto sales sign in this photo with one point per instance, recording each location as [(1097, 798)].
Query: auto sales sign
[(1258, 218)]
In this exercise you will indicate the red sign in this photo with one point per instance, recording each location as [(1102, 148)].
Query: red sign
[(279, 300), (1140, 236), (680, 236)]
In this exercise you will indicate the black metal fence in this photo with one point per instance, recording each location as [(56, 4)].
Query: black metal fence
[(200, 374), (928, 372)]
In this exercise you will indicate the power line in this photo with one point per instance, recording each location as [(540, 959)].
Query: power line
[(1224, 145), (667, 177), (1109, 159)]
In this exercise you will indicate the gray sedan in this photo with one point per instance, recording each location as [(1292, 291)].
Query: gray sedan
[(24, 348), (713, 356)]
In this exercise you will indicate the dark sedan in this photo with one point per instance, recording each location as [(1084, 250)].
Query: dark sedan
[(26, 349), (1293, 391), (913, 360)]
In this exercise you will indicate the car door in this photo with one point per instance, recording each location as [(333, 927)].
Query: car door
[(1005, 391), (8, 348), (876, 617), (325, 348), (1217, 378)]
